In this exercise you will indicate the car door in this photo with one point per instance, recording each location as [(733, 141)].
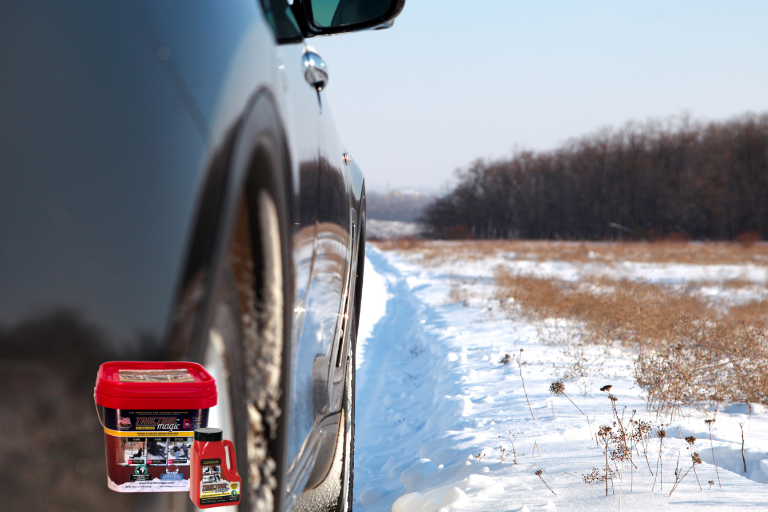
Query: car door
[(320, 222), (319, 309), (336, 221), (301, 111)]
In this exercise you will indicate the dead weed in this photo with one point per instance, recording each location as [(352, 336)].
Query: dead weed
[(688, 353), (699, 253)]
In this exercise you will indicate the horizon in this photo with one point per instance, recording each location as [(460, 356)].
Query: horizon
[(447, 86), (450, 183)]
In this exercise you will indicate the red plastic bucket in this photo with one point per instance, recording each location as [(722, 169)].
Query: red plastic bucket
[(149, 411)]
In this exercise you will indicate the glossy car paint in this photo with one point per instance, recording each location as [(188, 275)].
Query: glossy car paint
[(102, 160), (117, 125)]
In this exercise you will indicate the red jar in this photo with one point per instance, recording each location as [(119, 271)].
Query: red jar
[(212, 483), (149, 411)]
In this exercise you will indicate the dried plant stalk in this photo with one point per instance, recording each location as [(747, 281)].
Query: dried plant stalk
[(661, 434), (520, 366), (741, 426), (538, 474), (712, 446), (558, 388)]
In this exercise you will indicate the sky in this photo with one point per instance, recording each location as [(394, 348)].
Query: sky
[(453, 81)]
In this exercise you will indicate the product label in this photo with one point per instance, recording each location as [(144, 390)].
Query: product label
[(149, 450), (213, 488), (180, 375), (154, 451), (133, 450), (157, 451), (150, 423), (141, 474)]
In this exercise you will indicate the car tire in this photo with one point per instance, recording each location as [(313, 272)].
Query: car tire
[(245, 349), (349, 411)]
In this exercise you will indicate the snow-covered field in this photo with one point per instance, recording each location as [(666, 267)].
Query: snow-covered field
[(433, 398)]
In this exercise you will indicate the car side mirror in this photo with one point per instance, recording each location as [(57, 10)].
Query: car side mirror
[(335, 16)]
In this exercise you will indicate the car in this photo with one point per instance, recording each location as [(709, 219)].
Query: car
[(174, 188)]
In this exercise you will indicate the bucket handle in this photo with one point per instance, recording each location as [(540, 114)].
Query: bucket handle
[(230, 448), (98, 415)]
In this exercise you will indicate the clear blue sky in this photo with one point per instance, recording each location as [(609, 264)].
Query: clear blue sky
[(455, 81)]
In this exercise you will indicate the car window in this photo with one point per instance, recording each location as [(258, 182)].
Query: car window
[(336, 13)]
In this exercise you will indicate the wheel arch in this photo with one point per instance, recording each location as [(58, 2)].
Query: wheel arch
[(253, 155)]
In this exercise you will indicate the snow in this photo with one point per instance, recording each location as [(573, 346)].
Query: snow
[(373, 307), (432, 395)]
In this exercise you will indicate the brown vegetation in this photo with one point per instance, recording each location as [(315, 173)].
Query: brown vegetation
[(635, 314), (705, 362), (752, 312), (688, 353), (713, 253)]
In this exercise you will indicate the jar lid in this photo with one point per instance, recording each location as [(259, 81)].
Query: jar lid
[(208, 434)]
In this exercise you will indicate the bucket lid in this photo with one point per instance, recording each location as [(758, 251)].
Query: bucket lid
[(148, 384)]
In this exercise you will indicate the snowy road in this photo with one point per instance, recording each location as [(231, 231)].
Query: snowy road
[(432, 395)]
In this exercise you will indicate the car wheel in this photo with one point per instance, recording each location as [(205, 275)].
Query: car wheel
[(246, 348), (349, 413)]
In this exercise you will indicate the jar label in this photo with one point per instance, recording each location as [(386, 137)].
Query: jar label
[(213, 487)]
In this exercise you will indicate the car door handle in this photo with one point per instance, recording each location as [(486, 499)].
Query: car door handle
[(315, 70)]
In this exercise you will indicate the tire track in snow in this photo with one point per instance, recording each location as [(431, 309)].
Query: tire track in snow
[(399, 405)]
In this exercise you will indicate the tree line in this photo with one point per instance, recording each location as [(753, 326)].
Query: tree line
[(672, 178)]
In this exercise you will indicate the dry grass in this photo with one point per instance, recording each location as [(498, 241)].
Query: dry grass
[(752, 312), (712, 253), (688, 353), (635, 314), (706, 362)]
